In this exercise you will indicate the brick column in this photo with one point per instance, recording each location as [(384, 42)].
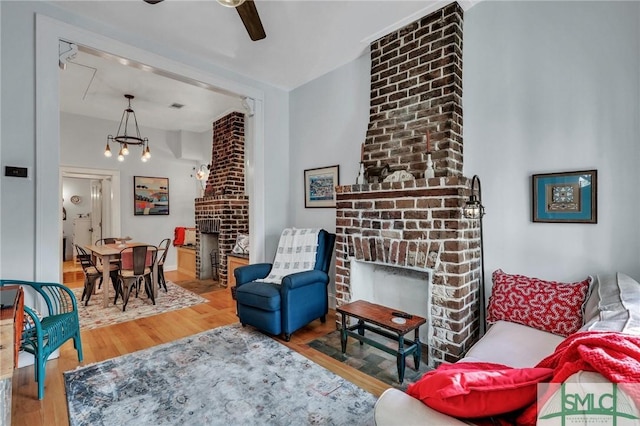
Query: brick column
[(225, 197)]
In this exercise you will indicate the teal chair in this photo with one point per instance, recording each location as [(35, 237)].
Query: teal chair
[(44, 332)]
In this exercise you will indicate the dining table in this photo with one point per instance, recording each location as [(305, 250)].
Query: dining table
[(108, 252)]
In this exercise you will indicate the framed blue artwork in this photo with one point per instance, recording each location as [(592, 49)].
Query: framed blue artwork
[(319, 186), (568, 197)]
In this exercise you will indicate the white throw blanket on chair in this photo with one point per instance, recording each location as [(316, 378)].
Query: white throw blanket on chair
[(296, 253)]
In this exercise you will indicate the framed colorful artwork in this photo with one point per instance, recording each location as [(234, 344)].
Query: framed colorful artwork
[(151, 196), (319, 186), (568, 197)]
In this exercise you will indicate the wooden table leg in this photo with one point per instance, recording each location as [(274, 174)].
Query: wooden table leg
[(106, 278), (343, 333), (400, 359), (417, 353), (361, 330)]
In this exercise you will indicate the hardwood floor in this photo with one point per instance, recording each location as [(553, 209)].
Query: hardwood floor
[(112, 341)]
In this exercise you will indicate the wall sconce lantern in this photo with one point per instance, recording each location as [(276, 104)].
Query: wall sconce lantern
[(202, 174), (473, 209)]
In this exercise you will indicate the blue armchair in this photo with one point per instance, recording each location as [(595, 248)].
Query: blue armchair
[(283, 308)]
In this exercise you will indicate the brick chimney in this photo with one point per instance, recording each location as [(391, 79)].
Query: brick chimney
[(227, 157), (223, 212), (416, 87)]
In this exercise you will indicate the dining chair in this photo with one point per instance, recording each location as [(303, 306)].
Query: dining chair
[(136, 267), (164, 248), (104, 241), (93, 273)]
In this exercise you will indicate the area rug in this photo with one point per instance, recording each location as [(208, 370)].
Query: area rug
[(226, 376), (200, 286), (370, 360), (95, 316)]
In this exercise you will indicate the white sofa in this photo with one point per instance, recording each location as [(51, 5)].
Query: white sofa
[(613, 305)]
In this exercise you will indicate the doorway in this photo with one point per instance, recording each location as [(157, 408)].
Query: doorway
[(91, 202), (49, 32)]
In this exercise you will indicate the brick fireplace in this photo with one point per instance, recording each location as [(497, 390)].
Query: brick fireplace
[(416, 87), (223, 212)]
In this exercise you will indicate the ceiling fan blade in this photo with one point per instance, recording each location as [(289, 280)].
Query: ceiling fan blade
[(249, 15)]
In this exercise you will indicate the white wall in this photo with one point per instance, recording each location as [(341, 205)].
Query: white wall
[(552, 87), (329, 118), (548, 86), (82, 145), (18, 130), (278, 175)]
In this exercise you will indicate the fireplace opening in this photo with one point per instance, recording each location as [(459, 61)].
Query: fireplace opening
[(208, 250), (404, 289)]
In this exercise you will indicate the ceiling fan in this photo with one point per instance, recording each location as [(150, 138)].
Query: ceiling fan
[(248, 13)]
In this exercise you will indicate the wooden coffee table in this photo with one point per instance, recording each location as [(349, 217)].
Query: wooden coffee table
[(380, 320)]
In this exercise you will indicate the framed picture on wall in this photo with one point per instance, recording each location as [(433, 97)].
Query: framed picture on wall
[(319, 186), (567, 197), (150, 196)]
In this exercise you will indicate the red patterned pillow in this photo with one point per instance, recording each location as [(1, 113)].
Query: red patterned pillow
[(478, 389), (546, 305)]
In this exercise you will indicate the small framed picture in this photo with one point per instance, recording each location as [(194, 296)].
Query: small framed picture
[(151, 196), (568, 197), (319, 186)]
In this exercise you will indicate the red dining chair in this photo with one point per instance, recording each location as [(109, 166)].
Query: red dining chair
[(136, 267)]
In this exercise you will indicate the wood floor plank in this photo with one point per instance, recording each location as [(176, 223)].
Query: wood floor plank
[(119, 339)]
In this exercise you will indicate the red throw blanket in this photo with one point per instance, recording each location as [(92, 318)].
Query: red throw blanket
[(614, 355)]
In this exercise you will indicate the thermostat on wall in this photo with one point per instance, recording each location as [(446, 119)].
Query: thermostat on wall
[(14, 171)]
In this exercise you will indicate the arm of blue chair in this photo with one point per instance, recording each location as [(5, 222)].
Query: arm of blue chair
[(305, 278), (246, 274), (303, 299)]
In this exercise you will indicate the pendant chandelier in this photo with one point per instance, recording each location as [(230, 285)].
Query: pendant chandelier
[(125, 139)]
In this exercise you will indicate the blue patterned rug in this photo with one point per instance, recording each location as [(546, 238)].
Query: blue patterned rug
[(228, 376)]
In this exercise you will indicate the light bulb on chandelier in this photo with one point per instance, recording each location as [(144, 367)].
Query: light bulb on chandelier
[(125, 139)]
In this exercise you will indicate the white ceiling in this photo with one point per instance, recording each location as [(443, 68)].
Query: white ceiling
[(305, 39), (95, 86)]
